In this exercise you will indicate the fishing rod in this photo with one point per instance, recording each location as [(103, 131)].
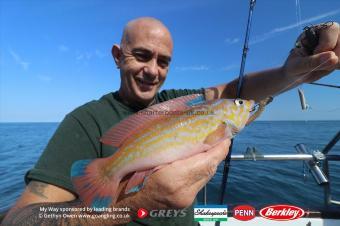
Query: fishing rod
[(326, 85), (245, 48), (239, 90), (311, 37)]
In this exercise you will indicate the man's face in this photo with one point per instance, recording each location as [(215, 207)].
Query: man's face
[(144, 64)]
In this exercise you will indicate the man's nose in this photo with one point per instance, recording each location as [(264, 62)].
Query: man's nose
[(151, 68)]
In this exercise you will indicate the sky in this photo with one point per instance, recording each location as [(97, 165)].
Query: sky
[(56, 55)]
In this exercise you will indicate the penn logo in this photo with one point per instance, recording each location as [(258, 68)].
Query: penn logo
[(282, 212), (244, 212)]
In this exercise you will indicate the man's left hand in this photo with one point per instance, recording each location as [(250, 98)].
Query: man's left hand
[(303, 68)]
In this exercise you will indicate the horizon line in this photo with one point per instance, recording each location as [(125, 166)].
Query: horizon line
[(263, 120)]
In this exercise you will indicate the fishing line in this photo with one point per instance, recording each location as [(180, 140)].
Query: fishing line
[(303, 76), (309, 42), (304, 105), (303, 102)]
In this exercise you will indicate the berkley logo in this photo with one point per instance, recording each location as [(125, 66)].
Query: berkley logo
[(244, 212), (282, 212)]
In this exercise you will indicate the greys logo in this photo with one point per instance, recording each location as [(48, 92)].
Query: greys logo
[(168, 213)]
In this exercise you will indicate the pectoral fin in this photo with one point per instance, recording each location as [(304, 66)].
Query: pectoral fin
[(216, 136), (138, 179)]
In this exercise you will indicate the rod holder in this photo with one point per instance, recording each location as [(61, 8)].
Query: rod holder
[(313, 166)]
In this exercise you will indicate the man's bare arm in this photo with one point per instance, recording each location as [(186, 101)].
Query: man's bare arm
[(300, 67), (37, 195), (256, 86)]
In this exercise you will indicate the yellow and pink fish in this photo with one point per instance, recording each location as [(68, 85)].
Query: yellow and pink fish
[(161, 134)]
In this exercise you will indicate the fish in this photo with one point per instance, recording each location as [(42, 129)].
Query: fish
[(304, 105), (153, 137)]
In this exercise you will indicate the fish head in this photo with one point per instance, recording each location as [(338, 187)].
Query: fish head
[(236, 113)]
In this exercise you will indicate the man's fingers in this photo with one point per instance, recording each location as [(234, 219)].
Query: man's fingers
[(325, 61), (202, 165), (210, 159), (214, 155), (328, 38), (308, 64), (337, 51), (330, 41), (180, 181), (220, 151)]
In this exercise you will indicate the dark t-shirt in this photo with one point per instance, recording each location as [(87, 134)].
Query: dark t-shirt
[(77, 137)]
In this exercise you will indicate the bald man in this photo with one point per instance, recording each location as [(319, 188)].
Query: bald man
[(143, 57)]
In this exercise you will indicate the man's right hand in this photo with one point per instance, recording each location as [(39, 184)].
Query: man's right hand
[(176, 185)]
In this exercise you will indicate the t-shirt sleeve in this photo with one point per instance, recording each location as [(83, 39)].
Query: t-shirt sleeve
[(71, 142), (165, 95)]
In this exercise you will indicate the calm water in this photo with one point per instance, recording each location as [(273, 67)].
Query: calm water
[(256, 183)]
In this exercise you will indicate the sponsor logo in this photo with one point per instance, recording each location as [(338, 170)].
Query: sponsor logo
[(282, 212), (244, 212), (168, 213), (210, 213), (142, 213)]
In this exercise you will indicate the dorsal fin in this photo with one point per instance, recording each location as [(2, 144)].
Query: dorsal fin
[(132, 124)]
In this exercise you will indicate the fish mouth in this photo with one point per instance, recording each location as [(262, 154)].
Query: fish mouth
[(254, 108), (253, 113), (258, 108)]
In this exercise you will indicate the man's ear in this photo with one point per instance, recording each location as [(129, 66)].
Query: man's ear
[(116, 54)]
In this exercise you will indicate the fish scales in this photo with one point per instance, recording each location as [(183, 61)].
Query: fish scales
[(147, 140), (168, 129), (152, 141)]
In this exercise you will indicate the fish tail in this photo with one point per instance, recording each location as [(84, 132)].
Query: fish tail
[(94, 187)]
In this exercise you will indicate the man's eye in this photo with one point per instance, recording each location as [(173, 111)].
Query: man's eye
[(163, 63), (142, 57)]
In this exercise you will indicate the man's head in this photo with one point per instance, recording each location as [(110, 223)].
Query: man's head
[(143, 58)]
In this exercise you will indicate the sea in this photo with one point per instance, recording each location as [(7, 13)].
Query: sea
[(257, 183)]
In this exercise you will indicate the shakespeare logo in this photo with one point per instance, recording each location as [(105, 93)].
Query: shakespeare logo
[(211, 213)]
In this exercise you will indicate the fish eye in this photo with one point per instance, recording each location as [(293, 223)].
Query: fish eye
[(238, 102)]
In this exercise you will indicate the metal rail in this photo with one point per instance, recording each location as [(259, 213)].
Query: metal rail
[(312, 159), (273, 157)]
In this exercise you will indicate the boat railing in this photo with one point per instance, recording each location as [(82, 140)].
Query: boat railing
[(315, 160)]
